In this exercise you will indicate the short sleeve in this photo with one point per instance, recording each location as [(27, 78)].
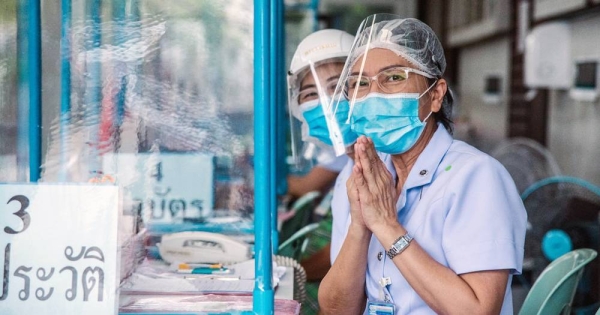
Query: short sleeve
[(486, 221), (340, 210)]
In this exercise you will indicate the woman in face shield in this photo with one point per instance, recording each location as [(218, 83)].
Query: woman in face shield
[(432, 225), (314, 72), (313, 76)]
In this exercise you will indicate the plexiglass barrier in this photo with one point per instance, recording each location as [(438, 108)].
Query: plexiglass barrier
[(147, 135)]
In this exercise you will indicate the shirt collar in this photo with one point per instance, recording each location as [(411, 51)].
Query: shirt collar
[(428, 161)]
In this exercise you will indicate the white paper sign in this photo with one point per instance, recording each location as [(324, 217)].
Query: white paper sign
[(168, 187), (58, 249)]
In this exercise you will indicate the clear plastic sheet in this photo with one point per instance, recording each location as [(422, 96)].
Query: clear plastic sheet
[(153, 110), (160, 104)]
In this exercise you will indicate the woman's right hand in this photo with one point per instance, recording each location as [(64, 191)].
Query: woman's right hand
[(355, 209)]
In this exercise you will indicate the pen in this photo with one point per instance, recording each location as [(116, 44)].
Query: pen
[(192, 266), (212, 277), (205, 271)]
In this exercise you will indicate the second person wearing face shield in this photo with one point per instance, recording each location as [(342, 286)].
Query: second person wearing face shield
[(436, 226), (314, 72)]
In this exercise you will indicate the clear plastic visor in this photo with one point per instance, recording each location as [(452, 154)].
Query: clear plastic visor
[(378, 65), (310, 92)]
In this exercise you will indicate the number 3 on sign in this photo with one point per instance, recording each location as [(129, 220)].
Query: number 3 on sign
[(22, 214)]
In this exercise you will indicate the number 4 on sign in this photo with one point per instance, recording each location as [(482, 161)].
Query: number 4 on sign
[(157, 173)]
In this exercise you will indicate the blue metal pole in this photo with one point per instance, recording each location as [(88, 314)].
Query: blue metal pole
[(314, 6), (120, 17), (121, 35), (281, 120), (34, 67), (275, 110), (263, 295), (93, 93), (65, 85)]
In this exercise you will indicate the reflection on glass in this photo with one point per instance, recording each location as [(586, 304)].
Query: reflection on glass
[(161, 104)]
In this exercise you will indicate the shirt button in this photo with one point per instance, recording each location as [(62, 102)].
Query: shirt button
[(423, 172), (379, 256)]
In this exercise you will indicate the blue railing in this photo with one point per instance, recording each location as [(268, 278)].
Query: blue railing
[(34, 79), (65, 84), (263, 302)]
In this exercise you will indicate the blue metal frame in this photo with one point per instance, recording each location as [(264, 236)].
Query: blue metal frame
[(276, 112), (263, 295), (121, 18), (34, 78), (65, 85)]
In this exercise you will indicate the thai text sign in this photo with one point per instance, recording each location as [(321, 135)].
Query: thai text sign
[(164, 187), (58, 249)]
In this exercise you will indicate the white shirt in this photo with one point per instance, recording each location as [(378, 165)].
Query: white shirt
[(463, 208)]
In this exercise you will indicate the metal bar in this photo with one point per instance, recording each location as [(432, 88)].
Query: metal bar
[(34, 70), (277, 103), (281, 120), (263, 295), (122, 22), (65, 85)]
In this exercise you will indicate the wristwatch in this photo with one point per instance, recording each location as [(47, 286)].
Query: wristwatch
[(399, 245)]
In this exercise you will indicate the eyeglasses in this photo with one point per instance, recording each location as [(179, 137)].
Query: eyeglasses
[(390, 81), (312, 93)]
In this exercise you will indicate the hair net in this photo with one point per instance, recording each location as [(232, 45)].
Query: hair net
[(410, 38)]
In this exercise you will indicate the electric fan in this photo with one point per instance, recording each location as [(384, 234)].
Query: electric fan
[(526, 161), (563, 214)]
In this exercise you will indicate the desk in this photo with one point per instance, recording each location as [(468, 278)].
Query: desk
[(167, 304)]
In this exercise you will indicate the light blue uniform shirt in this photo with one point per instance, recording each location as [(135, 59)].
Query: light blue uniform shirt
[(459, 204)]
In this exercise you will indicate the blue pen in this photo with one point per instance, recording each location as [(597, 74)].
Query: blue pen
[(205, 271)]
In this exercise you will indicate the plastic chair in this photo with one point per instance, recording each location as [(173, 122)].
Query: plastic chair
[(296, 244), (302, 209), (553, 291)]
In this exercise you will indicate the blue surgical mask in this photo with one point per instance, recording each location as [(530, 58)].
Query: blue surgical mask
[(390, 120), (317, 124)]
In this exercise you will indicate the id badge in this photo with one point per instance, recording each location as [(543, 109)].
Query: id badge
[(381, 308)]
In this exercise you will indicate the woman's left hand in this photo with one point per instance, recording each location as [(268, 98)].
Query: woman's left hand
[(375, 185)]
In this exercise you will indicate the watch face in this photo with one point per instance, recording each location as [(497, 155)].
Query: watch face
[(399, 246)]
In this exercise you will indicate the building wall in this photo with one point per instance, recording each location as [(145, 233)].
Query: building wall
[(482, 124), (404, 8), (574, 126)]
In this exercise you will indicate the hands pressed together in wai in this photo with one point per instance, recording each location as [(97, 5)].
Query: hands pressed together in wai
[(371, 189)]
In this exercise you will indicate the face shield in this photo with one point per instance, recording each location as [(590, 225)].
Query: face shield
[(312, 79), (384, 85)]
